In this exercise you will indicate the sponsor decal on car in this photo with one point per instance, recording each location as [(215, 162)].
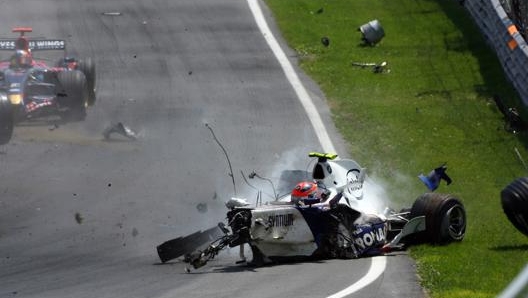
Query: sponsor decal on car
[(30, 107), (354, 183), (367, 236), (280, 220)]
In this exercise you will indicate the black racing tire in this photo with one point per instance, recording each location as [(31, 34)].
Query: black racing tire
[(445, 218), (7, 119), (514, 200), (75, 93), (87, 66)]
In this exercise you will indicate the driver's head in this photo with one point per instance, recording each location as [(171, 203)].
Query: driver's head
[(302, 191), (21, 58)]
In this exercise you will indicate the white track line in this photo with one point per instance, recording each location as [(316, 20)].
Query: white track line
[(376, 269), (292, 77), (378, 264)]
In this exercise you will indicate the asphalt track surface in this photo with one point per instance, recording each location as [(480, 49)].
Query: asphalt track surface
[(81, 216)]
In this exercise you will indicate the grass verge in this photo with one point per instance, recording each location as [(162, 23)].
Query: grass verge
[(434, 106)]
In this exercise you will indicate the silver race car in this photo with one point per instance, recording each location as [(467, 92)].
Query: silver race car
[(322, 218)]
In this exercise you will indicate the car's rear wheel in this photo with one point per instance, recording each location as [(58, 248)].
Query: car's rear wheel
[(514, 200), (6, 119), (87, 66), (445, 218), (74, 93)]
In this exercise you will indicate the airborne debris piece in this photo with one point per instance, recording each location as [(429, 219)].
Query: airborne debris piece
[(112, 13), (372, 32), (202, 207), (521, 159), (325, 41), (78, 218), (512, 120), (121, 129), (432, 180), (53, 127), (236, 203), (254, 174), (226, 155), (376, 67)]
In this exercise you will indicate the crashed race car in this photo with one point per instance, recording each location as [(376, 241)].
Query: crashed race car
[(31, 89), (321, 219)]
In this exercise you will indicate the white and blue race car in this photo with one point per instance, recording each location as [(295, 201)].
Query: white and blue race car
[(330, 224)]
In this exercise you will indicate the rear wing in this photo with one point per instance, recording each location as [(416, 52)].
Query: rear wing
[(23, 43)]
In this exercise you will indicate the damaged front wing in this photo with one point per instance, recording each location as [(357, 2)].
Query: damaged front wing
[(189, 246), (181, 246)]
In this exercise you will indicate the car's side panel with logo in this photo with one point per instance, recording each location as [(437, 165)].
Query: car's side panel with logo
[(281, 231)]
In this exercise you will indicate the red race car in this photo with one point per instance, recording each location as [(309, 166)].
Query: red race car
[(31, 88)]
